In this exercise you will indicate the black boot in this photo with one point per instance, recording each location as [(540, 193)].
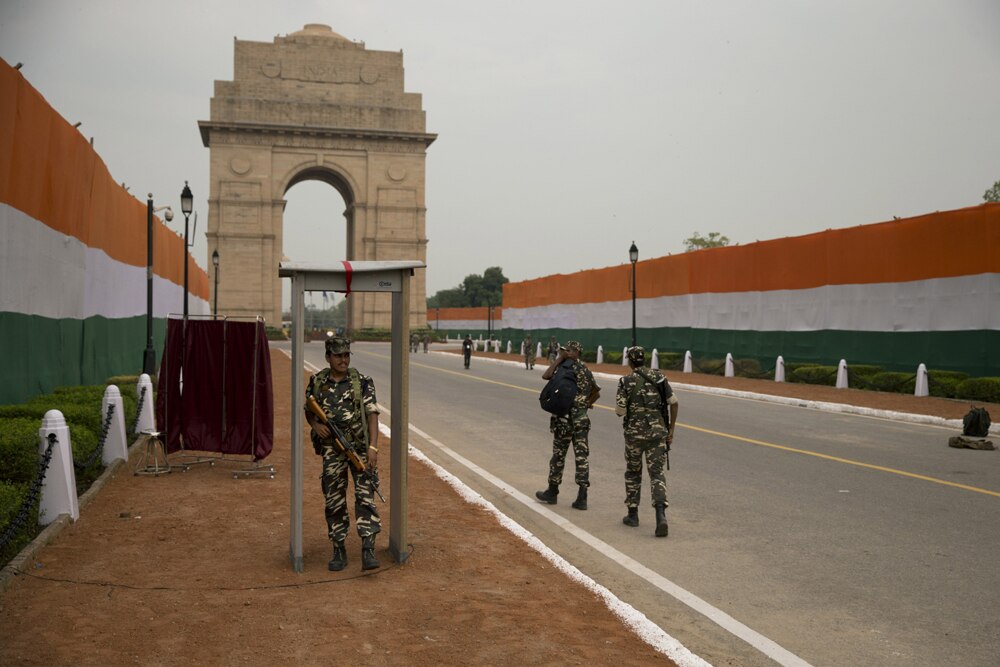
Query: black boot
[(632, 519), (339, 560), (581, 499), (661, 520), (368, 560), (550, 495)]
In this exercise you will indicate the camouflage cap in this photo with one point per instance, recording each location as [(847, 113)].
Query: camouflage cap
[(637, 355), (574, 345), (338, 345)]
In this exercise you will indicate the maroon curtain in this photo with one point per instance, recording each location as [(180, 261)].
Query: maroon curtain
[(214, 388)]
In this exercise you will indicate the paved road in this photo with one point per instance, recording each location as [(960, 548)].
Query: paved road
[(796, 536)]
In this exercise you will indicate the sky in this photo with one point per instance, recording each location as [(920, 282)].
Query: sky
[(567, 129)]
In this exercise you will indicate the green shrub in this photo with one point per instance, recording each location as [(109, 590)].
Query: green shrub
[(12, 496), (749, 368), (986, 390), (274, 333), (944, 384), (822, 375), (671, 360), (589, 356), (18, 449), (709, 366), (373, 334), (613, 357), (863, 370), (900, 383)]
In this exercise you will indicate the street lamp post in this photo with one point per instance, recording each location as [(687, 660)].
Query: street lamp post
[(187, 205), (215, 263), (633, 256), (149, 356)]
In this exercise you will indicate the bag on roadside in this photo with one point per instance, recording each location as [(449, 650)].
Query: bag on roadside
[(558, 394), (976, 424)]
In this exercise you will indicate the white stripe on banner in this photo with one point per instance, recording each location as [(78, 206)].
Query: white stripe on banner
[(459, 325), (45, 272), (963, 303)]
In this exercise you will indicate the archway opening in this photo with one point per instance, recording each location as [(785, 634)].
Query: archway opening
[(315, 229)]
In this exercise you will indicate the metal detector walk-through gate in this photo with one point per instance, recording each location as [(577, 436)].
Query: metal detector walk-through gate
[(393, 277)]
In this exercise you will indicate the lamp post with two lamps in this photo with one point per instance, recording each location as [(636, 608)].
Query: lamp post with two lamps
[(149, 356), (215, 264), (633, 256), (187, 205)]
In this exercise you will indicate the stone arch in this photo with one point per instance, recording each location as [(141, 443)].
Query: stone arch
[(314, 106)]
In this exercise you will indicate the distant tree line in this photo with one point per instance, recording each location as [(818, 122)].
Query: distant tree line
[(475, 290)]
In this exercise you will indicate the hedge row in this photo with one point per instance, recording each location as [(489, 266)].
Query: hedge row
[(19, 426)]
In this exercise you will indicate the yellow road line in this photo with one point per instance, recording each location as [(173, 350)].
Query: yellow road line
[(730, 436)]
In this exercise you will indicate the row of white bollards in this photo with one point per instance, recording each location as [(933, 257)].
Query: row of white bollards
[(58, 493)]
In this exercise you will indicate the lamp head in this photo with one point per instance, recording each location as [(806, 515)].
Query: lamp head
[(633, 253), (168, 214), (187, 200), (215, 258)]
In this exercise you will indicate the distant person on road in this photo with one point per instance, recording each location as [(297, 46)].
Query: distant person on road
[(348, 399), (529, 353), (572, 429), (467, 349), (427, 341), (643, 399), (553, 349)]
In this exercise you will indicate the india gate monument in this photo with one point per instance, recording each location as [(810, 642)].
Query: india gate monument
[(314, 105)]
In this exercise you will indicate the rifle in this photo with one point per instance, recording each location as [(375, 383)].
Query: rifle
[(661, 389), (340, 444)]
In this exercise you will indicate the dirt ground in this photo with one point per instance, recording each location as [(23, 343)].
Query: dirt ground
[(192, 568)]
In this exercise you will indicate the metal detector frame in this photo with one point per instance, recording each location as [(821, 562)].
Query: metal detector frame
[(365, 276)]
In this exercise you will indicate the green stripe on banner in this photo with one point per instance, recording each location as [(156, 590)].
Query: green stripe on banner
[(974, 352), (40, 353)]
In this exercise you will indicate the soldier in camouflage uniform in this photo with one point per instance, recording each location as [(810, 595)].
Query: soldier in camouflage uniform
[(572, 429), (529, 353), (640, 402), (553, 350), (348, 399)]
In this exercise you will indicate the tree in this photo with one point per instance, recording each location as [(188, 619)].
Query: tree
[(475, 290), (993, 194), (713, 240)]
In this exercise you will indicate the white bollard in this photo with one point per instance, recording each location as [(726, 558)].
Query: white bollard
[(59, 486), (922, 388), (779, 369), (624, 356), (600, 354), (115, 445), (146, 420), (538, 350), (496, 346), (687, 361), (730, 371), (842, 374), (655, 361), (508, 347)]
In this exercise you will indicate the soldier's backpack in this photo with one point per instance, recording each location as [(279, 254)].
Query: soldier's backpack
[(976, 423), (558, 394)]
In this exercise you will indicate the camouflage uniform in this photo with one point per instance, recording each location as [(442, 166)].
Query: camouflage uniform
[(553, 350), (338, 402), (645, 433), (529, 353), (573, 429)]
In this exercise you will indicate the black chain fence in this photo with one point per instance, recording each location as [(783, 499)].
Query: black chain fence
[(31, 499), (105, 428), (138, 409)]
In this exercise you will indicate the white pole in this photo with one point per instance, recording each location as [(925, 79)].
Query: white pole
[(687, 361), (538, 350), (779, 369), (115, 445), (842, 374), (146, 420), (922, 388), (59, 484), (624, 356), (600, 354), (730, 371), (655, 361)]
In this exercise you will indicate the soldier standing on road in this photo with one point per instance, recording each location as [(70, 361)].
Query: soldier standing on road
[(553, 349), (467, 349), (529, 353), (571, 429), (641, 399), (427, 341), (348, 399)]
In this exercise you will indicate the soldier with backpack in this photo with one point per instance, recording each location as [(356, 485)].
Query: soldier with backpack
[(649, 408), (573, 426)]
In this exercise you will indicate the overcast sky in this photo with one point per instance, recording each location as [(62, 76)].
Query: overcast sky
[(568, 129)]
